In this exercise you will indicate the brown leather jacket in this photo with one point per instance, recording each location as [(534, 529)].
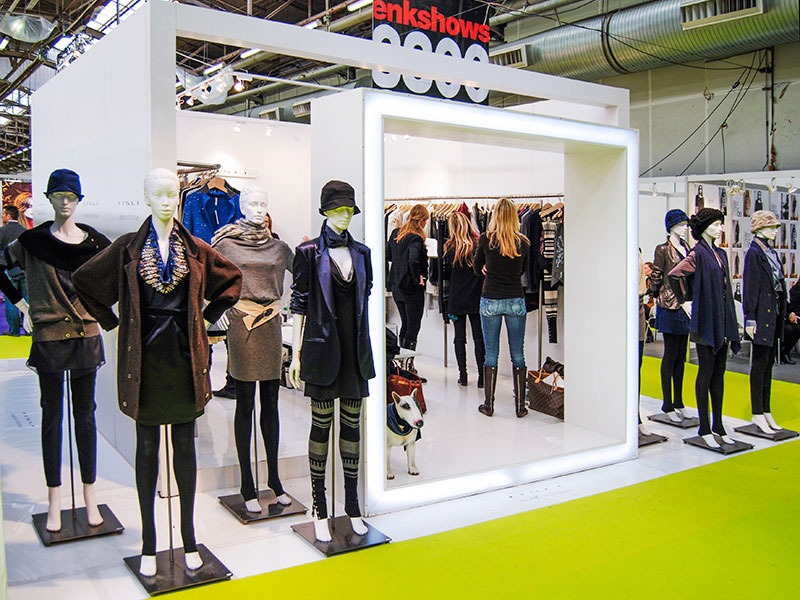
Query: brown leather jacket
[(112, 277), (665, 259)]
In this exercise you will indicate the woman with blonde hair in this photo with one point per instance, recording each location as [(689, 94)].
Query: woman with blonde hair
[(465, 292), (408, 273), (502, 256)]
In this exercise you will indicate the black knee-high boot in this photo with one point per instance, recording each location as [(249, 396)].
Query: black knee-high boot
[(490, 381), (519, 391)]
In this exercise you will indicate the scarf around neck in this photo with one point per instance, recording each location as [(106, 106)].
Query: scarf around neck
[(243, 230), (163, 277), (333, 239), (42, 244), (397, 425)]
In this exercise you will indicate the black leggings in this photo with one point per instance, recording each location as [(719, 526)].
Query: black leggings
[(710, 381), (411, 310), (460, 341), (270, 430), (184, 464), (81, 385), (349, 448), (672, 371), (761, 378)]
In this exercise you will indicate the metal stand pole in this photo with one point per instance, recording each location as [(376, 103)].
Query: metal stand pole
[(255, 439), (167, 442), (540, 311), (67, 382)]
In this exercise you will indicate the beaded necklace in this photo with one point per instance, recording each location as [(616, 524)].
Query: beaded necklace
[(163, 278)]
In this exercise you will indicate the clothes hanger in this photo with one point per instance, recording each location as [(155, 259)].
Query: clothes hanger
[(217, 183)]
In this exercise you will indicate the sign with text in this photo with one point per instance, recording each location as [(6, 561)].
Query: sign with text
[(458, 28)]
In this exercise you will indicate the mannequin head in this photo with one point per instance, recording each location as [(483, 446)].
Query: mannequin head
[(765, 224), (253, 203), (64, 193), (702, 220), (339, 218), (679, 230), (161, 194), (711, 233), (675, 218)]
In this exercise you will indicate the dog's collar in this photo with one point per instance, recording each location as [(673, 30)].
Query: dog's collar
[(397, 425)]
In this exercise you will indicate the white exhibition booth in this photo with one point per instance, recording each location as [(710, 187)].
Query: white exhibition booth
[(111, 116)]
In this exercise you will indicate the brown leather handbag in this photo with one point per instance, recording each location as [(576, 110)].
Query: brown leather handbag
[(404, 382), (545, 397)]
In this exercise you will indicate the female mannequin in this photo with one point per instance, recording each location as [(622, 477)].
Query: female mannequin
[(671, 320), (704, 279), (331, 349), (160, 276), (254, 335), (764, 301), (65, 336)]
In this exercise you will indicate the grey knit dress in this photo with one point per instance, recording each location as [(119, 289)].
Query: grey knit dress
[(255, 355)]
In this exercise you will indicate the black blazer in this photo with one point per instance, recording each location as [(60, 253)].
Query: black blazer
[(409, 260), (312, 296), (760, 302)]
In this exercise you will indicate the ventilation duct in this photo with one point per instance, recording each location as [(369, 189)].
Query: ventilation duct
[(518, 57), (650, 36), (699, 13)]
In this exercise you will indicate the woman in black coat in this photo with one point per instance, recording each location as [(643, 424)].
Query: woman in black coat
[(791, 327), (764, 301)]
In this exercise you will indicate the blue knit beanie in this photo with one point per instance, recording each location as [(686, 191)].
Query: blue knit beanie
[(64, 180), (674, 216)]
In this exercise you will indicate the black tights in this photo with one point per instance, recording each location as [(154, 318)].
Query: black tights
[(672, 371), (460, 341), (349, 447), (761, 378), (710, 380), (81, 385), (184, 464), (270, 430)]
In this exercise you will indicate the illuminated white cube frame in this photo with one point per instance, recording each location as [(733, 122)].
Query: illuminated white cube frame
[(601, 262)]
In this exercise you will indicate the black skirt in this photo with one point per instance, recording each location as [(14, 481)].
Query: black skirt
[(348, 383)]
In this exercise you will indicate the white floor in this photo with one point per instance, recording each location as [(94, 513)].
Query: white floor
[(94, 569)]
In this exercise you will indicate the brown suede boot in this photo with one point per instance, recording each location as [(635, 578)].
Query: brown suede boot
[(519, 391), (489, 380)]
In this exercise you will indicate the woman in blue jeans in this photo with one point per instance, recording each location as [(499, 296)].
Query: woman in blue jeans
[(502, 256)]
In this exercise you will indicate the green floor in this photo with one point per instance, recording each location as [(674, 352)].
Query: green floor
[(727, 530)]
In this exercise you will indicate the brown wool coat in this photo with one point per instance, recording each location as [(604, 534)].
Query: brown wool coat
[(112, 277)]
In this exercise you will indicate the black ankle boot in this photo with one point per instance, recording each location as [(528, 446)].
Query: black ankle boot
[(519, 391), (490, 379)]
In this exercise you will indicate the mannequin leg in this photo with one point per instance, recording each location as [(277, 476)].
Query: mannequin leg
[(477, 341), (350, 449), (51, 400), (83, 412), (758, 378), (460, 346), (184, 464), (271, 431), (717, 390), (243, 432), (677, 372), (321, 419), (705, 370), (667, 369), (147, 441)]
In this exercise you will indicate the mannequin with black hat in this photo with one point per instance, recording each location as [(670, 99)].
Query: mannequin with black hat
[(331, 350), (66, 338), (671, 320), (764, 302), (701, 283)]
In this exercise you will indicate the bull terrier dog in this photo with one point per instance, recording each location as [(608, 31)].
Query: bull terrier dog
[(403, 423)]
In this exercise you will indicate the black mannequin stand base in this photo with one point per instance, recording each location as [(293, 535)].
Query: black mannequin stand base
[(343, 538), (645, 439), (682, 424), (270, 507), (778, 436), (173, 575), (77, 528), (737, 446)]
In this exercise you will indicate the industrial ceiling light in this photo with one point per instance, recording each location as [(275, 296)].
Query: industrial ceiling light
[(792, 186), (249, 53), (314, 24), (238, 86), (213, 68), (773, 185), (4, 43), (654, 193), (358, 4)]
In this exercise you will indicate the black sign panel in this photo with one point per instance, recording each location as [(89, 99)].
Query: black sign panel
[(458, 28)]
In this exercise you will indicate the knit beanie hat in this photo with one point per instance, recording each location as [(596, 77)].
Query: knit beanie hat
[(763, 218), (674, 216), (64, 180), (704, 217)]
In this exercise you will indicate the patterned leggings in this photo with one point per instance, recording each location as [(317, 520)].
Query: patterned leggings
[(349, 447)]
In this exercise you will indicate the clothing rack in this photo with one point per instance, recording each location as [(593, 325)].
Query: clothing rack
[(445, 199), (187, 167)]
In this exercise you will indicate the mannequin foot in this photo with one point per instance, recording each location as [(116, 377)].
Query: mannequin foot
[(321, 530), (359, 527), (683, 413), (726, 439), (710, 441), (771, 422), (54, 509), (674, 417), (284, 500), (643, 430), (252, 505), (760, 421), (193, 560), (147, 568), (90, 499)]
